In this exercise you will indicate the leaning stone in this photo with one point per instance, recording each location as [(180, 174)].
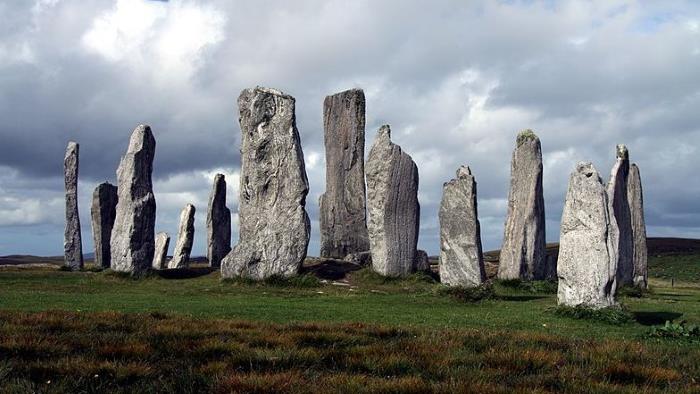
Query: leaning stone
[(617, 195), (461, 258), (421, 262), (639, 231), (587, 262), (343, 205), (102, 212), (132, 241), (274, 227), (185, 238), (72, 241), (161, 251), (218, 223), (394, 212), (359, 258), (523, 254)]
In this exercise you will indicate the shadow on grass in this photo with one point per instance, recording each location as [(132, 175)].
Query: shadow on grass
[(331, 269), (184, 273), (519, 298), (655, 318)]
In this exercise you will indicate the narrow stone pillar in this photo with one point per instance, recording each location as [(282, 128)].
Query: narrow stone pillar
[(102, 213), (72, 241)]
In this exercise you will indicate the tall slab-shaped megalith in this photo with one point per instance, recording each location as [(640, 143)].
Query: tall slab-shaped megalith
[(72, 240), (218, 223), (274, 226), (102, 213), (343, 218), (392, 201), (617, 194), (185, 238), (132, 241)]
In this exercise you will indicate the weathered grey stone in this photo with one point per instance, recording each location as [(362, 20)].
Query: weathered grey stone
[(161, 251), (185, 238), (132, 241), (617, 195), (72, 241), (102, 213), (461, 258), (587, 262), (639, 231), (274, 227), (392, 201), (421, 262), (360, 258), (343, 206), (523, 254), (218, 223)]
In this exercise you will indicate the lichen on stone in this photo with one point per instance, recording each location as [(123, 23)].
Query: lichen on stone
[(526, 135)]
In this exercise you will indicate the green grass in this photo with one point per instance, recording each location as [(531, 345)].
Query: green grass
[(684, 268), (495, 342)]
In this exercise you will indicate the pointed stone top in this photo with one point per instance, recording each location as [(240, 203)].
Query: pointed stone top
[(526, 135), (464, 172), (621, 152), (141, 137), (586, 168), (219, 177), (384, 132), (72, 144), (72, 148)]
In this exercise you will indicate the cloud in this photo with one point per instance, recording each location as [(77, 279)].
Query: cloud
[(456, 81)]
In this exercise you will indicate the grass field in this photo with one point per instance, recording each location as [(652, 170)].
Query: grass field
[(97, 332)]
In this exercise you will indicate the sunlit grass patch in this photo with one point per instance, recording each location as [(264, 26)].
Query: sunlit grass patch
[(609, 315)]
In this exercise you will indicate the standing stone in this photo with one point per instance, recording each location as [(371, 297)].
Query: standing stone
[(461, 258), (218, 223), (72, 242), (617, 195), (421, 261), (161, 251), (343, 205), (523, 254), (392, 201), (639, 231), (274, 227), (102, 212), (587, 262), (185, 238), (133, 233)]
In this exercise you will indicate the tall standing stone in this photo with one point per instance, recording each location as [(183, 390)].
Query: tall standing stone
[(218, 223), (274, 227), (343, 206), (133, 234), (392, 201), (523, 254), (102, 212), (72, 241), (587, 264), (639, 231), (617, 195), (461, 258), (185, 238), (161, 251)]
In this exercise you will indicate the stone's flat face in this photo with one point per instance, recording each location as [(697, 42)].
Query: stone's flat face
[(461, 258), (102, 213), (421, 262), (132, 241), (274, 227), (523, 254), (185, 238), (343, 219), (617, 195), (392, 201), (587, 263), (72, 241), (161, 251), (639, 230), (218, 223)]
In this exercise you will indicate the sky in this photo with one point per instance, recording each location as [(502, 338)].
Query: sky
[(456, 80)]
